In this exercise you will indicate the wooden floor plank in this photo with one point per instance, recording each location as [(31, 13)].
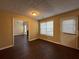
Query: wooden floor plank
[(38, 49)]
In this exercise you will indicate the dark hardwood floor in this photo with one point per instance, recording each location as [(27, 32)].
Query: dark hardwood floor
[(38, 49)]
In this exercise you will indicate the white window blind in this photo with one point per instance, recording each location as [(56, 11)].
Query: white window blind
[(46, 28), (68, 26)]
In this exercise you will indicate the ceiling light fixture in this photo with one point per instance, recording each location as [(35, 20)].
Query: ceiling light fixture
[(35, 13)]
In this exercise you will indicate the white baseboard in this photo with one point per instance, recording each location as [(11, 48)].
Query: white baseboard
[(6, 47), (60, 44), (33, 39), (17, 34)]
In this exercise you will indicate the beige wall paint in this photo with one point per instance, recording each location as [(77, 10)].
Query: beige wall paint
[(78, 31), (6, 27), (57, 26), (5, 30), (69, 40)]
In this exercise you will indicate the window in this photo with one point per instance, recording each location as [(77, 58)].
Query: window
[(68, 26), (46, 28)]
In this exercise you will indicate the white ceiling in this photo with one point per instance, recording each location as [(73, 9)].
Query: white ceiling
[(45, 8)]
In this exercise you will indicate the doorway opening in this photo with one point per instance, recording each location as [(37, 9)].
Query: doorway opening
[(25, 30), (20, 32)]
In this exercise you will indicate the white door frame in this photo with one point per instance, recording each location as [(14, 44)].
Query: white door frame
[(13, 30)]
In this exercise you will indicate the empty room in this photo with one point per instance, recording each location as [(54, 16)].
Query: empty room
[(39, 29)]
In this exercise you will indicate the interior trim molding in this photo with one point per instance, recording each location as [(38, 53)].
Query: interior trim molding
[(6, 47), (18, 35), (60, 44), (33, 39)]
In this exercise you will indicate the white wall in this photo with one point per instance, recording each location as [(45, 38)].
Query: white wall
[(18, 27)]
